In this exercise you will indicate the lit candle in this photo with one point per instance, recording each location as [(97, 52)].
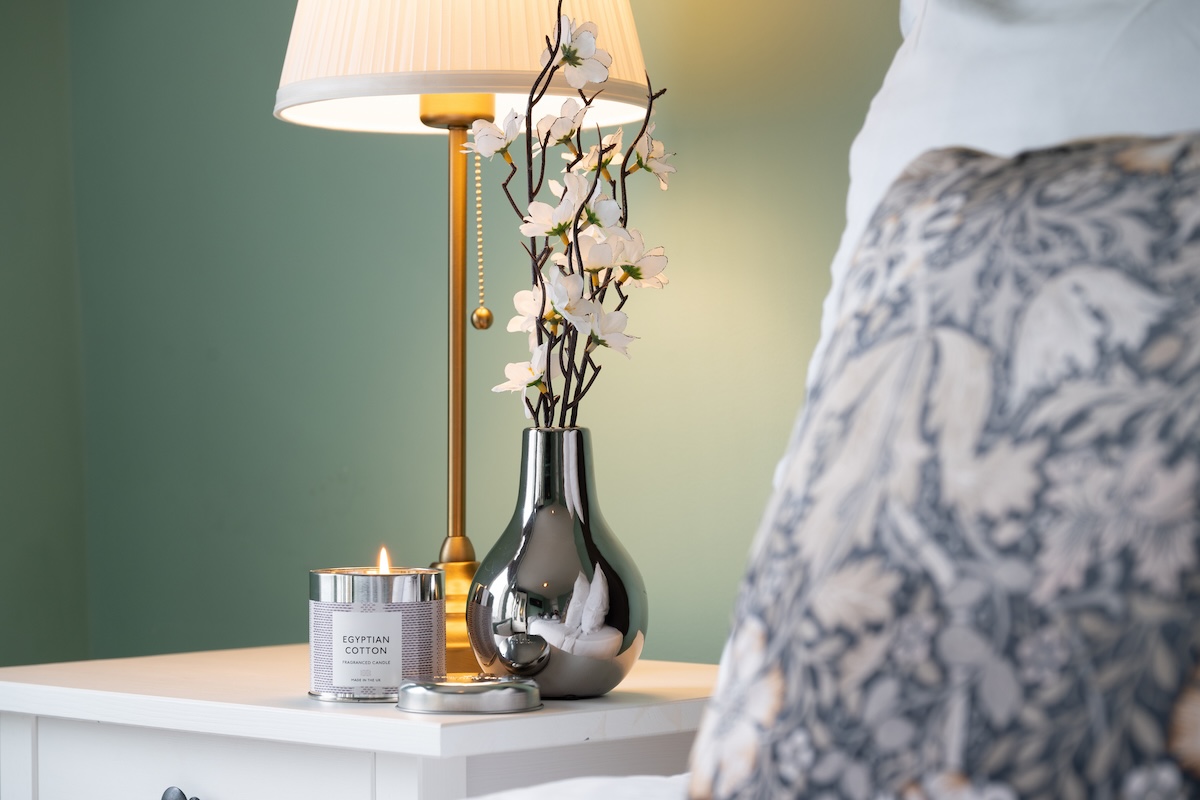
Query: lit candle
[(370, 627)]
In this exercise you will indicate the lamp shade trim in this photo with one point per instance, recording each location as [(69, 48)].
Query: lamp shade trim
[(388, 103), (334, 88)]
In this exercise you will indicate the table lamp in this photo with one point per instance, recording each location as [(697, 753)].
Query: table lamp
[(433, 66)]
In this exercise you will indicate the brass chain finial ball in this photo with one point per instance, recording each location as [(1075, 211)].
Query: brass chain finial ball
[(481, 318)]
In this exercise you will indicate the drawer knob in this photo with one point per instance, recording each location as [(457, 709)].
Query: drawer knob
[(175, 793)]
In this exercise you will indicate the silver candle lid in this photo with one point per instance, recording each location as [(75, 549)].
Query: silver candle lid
[(469, 694), (367, 585)]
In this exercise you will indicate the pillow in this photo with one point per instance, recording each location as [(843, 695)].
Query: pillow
[(978, 577), (1012, 75)]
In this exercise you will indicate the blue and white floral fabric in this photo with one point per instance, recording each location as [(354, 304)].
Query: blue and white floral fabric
[(978, 576)]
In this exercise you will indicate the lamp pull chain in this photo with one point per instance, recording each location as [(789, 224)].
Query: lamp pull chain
[(481, 317)]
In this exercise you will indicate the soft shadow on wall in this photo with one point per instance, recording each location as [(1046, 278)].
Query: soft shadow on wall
[(262, 318)]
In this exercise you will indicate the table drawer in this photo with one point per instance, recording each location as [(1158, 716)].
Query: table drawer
[(118, 762)]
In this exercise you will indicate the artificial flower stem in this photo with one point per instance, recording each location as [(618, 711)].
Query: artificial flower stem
[(534, 95), (623, 297), (580, 394), (570, 358), (507, 193), (651, 96)]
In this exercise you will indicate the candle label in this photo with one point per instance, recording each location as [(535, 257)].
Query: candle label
[(367, 649), (415, 634)]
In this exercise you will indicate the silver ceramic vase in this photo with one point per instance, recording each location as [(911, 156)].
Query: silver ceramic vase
[(558, 599)]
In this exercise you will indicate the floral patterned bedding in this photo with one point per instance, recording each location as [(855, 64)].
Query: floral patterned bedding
[(978, 577)]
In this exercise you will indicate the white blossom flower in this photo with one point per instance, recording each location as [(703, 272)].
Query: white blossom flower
[(582, 315), (524, 375), (607, 329), (547, 220), (564, 290), (565, 293), (605, 213), (652, 155), (593, 160), (582, 61), (561, 129), (573, 189), (490, 138), (595, 255), (564, 300), (640, 266), (599, 211), (528, 304), (521, 375)]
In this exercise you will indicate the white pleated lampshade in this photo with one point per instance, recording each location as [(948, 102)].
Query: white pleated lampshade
[(362, 64)]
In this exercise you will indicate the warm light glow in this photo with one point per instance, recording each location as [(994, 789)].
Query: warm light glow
[(400, 114), (385, 566)]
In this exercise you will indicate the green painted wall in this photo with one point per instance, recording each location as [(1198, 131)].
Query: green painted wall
[(42, 580), (263, 335)]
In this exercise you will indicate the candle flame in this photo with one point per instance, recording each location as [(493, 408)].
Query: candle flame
[(385, 566)]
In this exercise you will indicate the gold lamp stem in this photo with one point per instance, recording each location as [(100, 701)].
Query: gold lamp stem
[(457, 556), (457, 440)]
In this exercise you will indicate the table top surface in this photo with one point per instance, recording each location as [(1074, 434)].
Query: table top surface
[(262, 692)]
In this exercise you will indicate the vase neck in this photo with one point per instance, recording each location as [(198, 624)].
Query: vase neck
[(556, 469)]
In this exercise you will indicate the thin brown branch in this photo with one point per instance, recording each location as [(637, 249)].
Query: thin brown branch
[(545, 75), (623, 297), (562, 420), (651, 96), (580, 395), (512, 173), (542, 169), (568, 369)]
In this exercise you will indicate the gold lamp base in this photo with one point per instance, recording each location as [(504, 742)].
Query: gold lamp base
[(459, 655)]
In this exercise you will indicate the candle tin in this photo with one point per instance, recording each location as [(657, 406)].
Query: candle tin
[(370, 629)]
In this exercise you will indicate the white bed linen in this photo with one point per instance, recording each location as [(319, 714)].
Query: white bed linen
[(635, 787), (1005, 76)]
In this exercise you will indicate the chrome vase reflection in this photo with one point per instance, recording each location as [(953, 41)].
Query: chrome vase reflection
[(558, 599)]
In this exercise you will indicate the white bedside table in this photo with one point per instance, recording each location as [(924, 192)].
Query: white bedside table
[(239, 725)]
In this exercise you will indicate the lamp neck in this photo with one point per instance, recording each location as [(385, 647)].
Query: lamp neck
[(456, 110)]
